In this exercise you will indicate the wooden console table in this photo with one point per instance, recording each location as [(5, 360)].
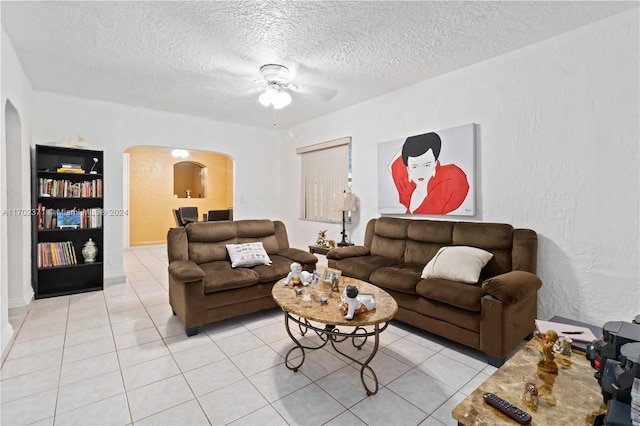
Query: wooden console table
[(319, 250), (571, 397)]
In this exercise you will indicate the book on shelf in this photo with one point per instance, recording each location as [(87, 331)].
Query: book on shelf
[(70, 166), (65, 170), (66, 189), (50, 218), (56, 254)]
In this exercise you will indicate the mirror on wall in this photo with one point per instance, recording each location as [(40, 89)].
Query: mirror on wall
[(189, 180)]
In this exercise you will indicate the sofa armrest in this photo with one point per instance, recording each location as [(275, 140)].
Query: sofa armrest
[(185, 271), (512, 287), (297, 255), (340, 253)]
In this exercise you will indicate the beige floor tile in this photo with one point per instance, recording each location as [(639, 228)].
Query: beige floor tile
[(36, 346), (29, 384), (88, 367), (149, 372), (263, 416), (88, 350), (30, 409), (295, 409), (137, 337), (109, 411), (212, 377), (232, 402), (188, 413), (141, 353), (278, 382), (90, 335), (198, 356), (159, 396), (88, 391), (32, 363)]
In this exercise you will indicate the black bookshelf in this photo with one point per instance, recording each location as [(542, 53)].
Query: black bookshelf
[(76, 192)]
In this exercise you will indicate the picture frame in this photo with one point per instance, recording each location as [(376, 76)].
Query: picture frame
[(330, 274)]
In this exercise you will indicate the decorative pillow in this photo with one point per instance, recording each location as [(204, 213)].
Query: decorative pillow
[(457, 263), (248, 254)]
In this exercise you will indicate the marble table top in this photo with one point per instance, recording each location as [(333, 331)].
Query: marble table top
[(329, 313), (571, 397)]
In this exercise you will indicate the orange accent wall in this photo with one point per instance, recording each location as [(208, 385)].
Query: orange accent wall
[(151, 198)]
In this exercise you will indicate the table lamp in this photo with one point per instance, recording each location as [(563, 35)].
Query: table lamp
[(345, 202)]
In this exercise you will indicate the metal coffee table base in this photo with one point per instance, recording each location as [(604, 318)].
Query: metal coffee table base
[(330, 333)]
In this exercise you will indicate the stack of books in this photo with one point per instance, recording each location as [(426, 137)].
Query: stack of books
[(56, 254), (70, 168)]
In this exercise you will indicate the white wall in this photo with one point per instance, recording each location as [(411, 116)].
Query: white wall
[(557, 152), (15, 91), (113, 128)]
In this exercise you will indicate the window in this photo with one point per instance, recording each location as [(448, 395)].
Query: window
[(326, 171)]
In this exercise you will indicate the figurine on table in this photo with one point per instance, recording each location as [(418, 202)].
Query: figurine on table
[(547, 354)]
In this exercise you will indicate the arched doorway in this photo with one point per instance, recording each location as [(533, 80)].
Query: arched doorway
[(152, 192)]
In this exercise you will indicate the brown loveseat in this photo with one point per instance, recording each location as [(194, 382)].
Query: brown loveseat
[(203, 287), (492, 315)]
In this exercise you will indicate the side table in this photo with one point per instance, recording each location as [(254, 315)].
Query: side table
[(571, 397), (319, 250)]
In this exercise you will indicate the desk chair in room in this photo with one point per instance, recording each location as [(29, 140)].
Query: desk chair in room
[(214, 215)]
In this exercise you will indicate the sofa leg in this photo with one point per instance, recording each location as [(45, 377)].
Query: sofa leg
[(191, 331), (496, 361)]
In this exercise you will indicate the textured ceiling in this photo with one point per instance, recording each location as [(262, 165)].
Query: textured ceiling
[(201, 58)]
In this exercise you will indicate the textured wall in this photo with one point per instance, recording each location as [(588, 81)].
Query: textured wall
[(557, 151), (151, 200)]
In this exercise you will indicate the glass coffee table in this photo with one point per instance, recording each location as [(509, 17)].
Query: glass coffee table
[(305, 305)]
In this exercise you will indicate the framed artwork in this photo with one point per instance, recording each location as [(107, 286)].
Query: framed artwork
[(431, 173)]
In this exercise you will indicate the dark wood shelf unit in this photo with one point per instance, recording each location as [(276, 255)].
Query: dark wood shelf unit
[(66, 279)]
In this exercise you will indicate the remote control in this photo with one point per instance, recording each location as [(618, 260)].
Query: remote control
[(512, 411)]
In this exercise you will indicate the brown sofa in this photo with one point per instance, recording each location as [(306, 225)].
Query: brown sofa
[(203, 287), (492, 315)]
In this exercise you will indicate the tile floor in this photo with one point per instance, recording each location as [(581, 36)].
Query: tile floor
[(119, 357)]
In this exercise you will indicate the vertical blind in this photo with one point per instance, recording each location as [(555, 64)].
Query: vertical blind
[(325, 173)]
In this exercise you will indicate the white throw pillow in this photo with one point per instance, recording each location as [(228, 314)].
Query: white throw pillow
[(247, 254), (457, 263)]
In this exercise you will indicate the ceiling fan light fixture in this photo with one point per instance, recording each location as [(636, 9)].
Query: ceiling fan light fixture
[(281, 99), (268, 97), (278, 86)]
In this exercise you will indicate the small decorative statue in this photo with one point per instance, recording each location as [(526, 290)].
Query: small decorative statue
[(530, 391), (188, 191), (297, 276), (354, 305), (547, 354), (321, 241)]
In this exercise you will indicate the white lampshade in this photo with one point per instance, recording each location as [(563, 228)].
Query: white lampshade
[(268, 97), (345, 202), (281, 100)]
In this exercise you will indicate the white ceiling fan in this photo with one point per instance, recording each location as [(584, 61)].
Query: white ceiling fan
[(276, 86)]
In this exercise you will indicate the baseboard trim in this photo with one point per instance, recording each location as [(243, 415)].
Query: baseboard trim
[(114, 279)]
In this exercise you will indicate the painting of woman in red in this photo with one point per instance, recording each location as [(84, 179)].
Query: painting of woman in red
[(424, 185)]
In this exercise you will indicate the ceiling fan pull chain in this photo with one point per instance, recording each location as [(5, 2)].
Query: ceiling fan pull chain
[(274, 116)]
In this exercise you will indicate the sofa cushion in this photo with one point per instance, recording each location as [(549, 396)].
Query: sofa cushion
[(459, 263), (280, 267), (221, 276), (361, 267), (465, 296), (401, 278), (247, 254)]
